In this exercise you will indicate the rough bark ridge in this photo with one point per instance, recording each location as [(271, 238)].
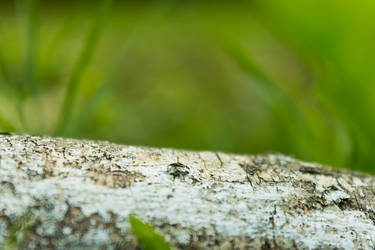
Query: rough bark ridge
[(62, 193)]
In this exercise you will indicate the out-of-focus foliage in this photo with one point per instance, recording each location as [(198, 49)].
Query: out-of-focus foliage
[(240, 76)]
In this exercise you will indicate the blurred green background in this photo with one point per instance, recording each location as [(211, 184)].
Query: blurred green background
[(253, 76)]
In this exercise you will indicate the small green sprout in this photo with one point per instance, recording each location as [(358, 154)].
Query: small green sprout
[(146, 235), (19, 231)]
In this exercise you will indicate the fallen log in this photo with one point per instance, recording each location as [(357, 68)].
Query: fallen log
[(78, 194)]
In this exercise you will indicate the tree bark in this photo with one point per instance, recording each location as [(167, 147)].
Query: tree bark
[(77, 194)]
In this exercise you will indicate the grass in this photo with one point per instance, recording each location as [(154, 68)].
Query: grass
[(245, 77), (294, 77), (84, 59), (31, 50)]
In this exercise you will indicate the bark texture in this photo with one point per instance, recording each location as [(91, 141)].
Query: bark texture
[(75, 194)]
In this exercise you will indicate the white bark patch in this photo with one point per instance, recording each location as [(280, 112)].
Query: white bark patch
[(336, 196)]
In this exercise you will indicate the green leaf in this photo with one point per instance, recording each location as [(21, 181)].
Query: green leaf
[(146, 235)]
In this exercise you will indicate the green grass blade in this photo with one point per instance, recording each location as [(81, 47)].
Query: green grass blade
[(6, 125), (31, 50), (84, 59), (90, 108), (146, 235), (247, 65), (4, 71), (288, 110), (63, 32), (274, 95)]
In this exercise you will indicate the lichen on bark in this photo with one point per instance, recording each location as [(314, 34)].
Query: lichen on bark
[(80, 194)]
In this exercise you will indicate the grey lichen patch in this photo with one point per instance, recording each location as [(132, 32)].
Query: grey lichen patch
[(80, 194)]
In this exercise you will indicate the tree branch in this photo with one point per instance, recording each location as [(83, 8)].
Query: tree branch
[(79, 195)]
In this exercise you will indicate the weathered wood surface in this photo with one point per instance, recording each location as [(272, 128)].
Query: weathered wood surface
[(78, 194)]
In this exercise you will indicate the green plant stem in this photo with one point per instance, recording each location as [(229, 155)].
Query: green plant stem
[(289, 111), (109, 80), (83, 60), (31, 50)]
